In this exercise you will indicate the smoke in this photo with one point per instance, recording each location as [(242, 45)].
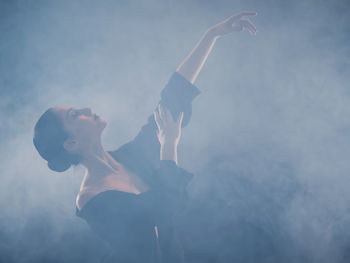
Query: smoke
[(268, 139)]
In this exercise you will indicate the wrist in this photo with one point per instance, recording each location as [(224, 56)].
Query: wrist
[(169, 142), (213, 33), (168, 152), (168, 146)]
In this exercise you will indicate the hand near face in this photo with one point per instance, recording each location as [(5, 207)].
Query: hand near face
[(169, 130)]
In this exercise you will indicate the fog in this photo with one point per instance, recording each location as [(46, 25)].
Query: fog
[(267, 142)]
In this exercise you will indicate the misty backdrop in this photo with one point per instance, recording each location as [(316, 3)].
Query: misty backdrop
[(268, 140)]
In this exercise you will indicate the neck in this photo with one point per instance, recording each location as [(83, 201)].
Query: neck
[(98, 162)]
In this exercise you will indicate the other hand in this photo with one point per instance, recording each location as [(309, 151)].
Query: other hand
[(169, 130)]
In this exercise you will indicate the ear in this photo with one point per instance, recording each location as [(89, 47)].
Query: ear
[(71, 145)]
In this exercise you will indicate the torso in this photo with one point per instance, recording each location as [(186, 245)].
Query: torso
[(123, 181)]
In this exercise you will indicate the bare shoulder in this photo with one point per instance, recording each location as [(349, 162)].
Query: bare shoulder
[(85, 195)]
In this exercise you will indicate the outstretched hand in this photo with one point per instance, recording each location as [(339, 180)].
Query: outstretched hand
[(169, 130), (236, 22)]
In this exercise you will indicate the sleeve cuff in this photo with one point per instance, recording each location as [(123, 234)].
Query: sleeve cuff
[(177, 96)]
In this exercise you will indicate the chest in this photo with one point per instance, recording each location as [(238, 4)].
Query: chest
[(124, 182)]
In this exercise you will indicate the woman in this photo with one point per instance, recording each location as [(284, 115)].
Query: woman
[(131, 196)]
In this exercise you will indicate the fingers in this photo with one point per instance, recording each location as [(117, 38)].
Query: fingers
[(169, 116), (240, 15), (180, 118), (164, 113), (161, 111), (163, 117), (246, 13), (246, 23), (157, 119)]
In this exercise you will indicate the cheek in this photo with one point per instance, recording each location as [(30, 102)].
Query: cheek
[(86, 128)]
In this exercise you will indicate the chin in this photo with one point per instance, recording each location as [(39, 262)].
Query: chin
[(103, 124)]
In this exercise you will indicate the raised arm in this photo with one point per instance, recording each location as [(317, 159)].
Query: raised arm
[(143, 152), (194, 62)]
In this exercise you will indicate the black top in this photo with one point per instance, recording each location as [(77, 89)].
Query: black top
[(126, 220)]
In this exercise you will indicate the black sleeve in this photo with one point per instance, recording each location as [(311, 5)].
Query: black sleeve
[(177, 96), (143, 152), (169, 184)]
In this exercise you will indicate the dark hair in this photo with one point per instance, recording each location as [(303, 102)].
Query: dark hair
[(49, 136)]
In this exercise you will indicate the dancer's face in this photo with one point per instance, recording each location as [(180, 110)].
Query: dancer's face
[(83, 125)]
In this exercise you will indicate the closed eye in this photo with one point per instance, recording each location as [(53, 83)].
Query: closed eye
[(72, 113)]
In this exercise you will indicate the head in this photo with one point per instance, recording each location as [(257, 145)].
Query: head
[(64, 134)]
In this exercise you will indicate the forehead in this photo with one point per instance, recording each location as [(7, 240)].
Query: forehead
[(62, 111)]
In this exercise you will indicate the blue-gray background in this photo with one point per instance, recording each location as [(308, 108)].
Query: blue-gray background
[(268, 141)]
